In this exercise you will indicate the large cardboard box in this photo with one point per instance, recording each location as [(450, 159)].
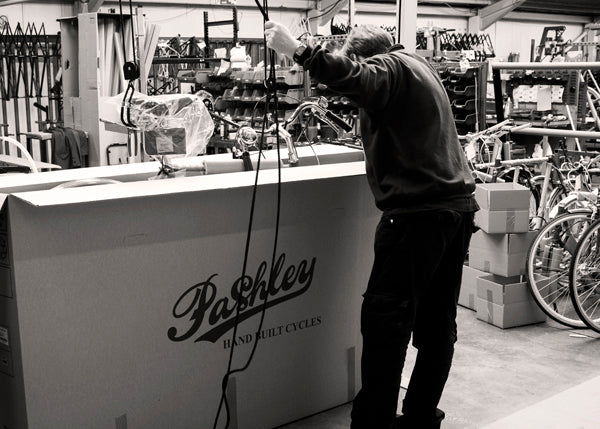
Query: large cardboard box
[(468, 287), (502, 221), (504, 207), (502, 254), (503, 290), (121, 300), (503, 243), (509, 315), (507, 196), (506, 302)]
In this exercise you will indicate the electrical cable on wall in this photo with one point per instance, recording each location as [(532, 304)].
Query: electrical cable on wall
[(271, 95), (131, 69)]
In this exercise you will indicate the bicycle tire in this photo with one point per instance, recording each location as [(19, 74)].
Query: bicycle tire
[(584, 277), (558, 194), (548, 260)]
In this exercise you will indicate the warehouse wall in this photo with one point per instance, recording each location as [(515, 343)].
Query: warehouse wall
[(184, 20), (513, 36), (507, 35), (38, 12)]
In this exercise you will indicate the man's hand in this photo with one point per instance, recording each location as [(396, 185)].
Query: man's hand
[(280, 39)]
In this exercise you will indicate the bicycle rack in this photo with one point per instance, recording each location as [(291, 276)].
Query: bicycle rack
[(28, 59)]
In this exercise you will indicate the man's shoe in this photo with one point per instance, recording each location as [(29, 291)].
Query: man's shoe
[(411, 422)]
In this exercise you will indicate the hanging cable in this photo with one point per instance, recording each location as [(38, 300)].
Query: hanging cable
[(131, 69), (271, 95)]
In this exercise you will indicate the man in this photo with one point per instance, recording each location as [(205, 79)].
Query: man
[(420, 180)]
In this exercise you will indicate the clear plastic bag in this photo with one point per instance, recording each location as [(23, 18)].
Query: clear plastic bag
[(173, 124)]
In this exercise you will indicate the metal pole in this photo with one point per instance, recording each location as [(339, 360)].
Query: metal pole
[(398, 23), (498, 98), (406, 24), (556, 133), (546, 66)]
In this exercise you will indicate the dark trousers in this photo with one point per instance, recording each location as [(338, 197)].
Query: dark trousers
[(413, 288)]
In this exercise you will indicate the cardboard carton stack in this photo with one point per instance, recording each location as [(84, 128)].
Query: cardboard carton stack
[(493, 282)]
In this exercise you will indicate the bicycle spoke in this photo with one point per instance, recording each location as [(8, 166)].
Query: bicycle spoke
[(591, 314), (564, 292), (585, 295), (551, 281)]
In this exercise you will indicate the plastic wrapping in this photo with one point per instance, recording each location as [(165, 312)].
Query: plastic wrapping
[(174, 124)]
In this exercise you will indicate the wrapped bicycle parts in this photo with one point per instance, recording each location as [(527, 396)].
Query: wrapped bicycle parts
[(173, 124)]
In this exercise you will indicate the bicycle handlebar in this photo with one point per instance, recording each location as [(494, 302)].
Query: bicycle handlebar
[(326, 115)]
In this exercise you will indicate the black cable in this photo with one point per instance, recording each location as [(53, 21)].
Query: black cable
[(132, 31), (122, 28), (131, 69), (270, 86), (225, 381)]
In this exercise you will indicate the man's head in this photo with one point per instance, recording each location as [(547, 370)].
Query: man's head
[(365, 41)]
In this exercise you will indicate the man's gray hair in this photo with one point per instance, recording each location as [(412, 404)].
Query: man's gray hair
[(366, 41)]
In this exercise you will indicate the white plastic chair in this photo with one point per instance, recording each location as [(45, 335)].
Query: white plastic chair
[(23, 150)]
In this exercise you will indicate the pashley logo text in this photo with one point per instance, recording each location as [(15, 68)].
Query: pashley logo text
[(201, 305)]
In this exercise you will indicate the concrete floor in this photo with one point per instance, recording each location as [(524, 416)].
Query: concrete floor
[(505, 376)]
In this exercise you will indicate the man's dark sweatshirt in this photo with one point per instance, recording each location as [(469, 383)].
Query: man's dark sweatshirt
[(414, 160)]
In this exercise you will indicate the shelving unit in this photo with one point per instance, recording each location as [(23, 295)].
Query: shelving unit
[(338, 104), (467, 92), (245, 100)]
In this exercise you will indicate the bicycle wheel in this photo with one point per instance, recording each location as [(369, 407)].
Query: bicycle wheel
[(548, 262), (584, 278)]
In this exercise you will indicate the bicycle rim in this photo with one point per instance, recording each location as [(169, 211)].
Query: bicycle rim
[(557, 195), (585, 278), (548, 261)]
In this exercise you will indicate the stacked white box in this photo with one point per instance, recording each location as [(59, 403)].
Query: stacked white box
[(499, 252), (504, 207), (505, 302), (468, 287)]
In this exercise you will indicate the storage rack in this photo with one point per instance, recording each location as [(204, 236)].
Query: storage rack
[(240, 95), (246, 99), (467, 93), (567, 90), (29, 73)]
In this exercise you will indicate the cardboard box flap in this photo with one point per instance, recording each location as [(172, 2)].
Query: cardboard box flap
[(502, 196), (47, 180), (220, 163), (57, 197), (503, 290)]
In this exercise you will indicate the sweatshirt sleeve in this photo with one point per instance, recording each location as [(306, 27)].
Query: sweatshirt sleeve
[(370, 83)]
